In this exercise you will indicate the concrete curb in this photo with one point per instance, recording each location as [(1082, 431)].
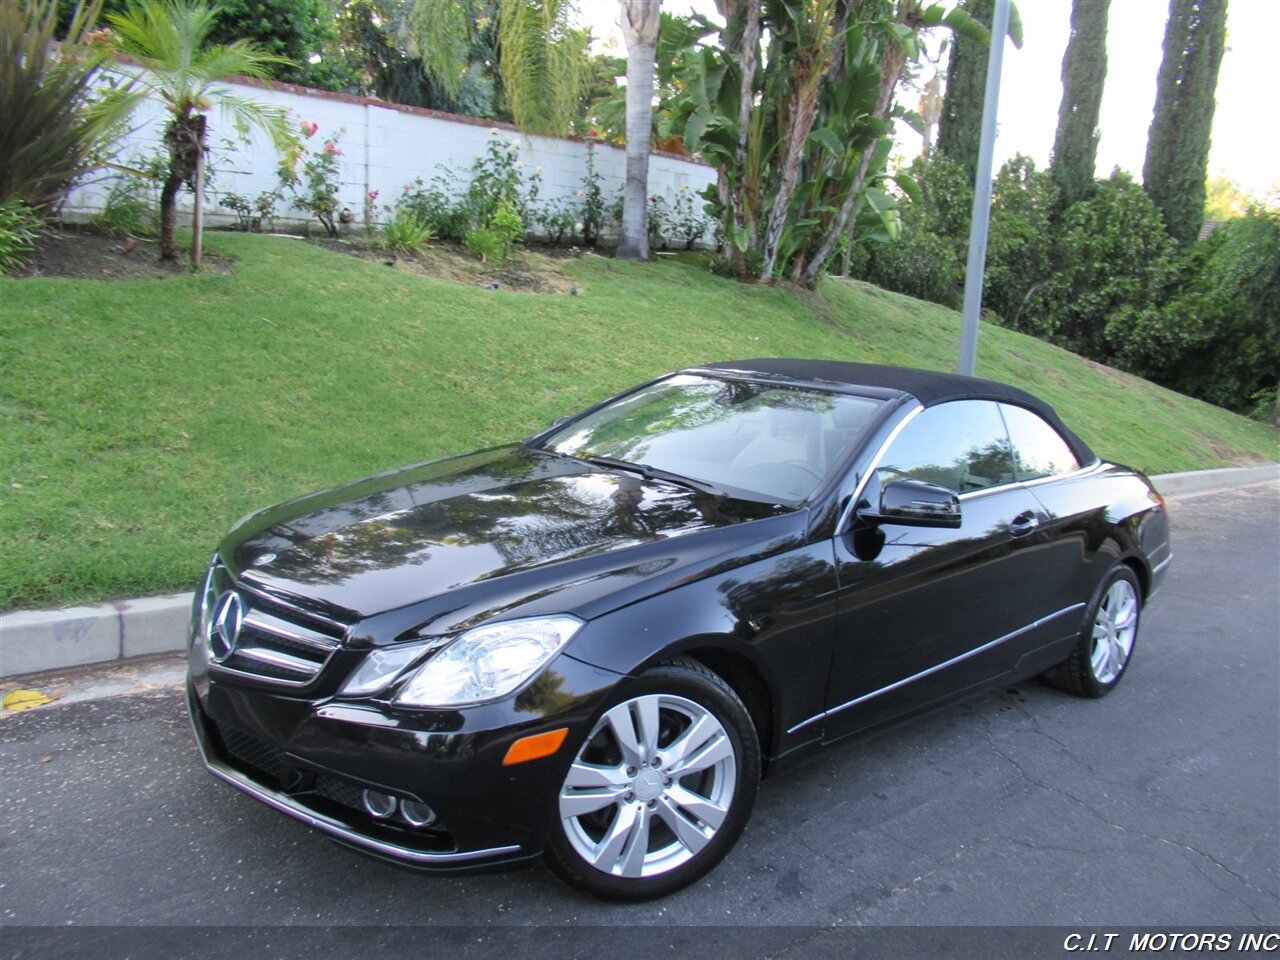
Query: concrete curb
[(33, 641), (1199, 481)]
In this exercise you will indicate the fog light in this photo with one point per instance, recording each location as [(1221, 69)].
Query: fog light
[(417, 814), (379, 805)]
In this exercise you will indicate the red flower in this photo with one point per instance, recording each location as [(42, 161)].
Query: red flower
[(309, 128), (594, 133)]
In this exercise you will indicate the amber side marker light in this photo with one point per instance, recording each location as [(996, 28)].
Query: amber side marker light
[(535, 747)]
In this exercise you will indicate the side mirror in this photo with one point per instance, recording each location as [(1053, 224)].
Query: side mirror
[(916, 503)]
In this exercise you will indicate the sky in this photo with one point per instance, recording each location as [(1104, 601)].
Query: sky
[(1246, 129)]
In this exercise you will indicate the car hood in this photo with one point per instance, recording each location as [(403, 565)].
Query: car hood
[(509, 530)]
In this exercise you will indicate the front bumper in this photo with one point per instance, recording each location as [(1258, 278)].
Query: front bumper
[(311, 760)]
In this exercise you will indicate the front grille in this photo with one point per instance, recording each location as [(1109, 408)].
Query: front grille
[(258, 755), (340, 791), (277, 641)]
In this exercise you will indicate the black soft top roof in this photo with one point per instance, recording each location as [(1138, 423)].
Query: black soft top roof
[(927, 386)]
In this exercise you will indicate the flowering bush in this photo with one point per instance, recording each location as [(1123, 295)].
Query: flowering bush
[(316, 187), (686, 222)]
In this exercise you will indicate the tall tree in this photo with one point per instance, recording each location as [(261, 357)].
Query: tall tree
[(960, 129), (1178, 142), (184, 71), (1084, 70), (639, 20), (303, 32)]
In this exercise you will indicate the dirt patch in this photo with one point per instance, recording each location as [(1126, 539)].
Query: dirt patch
[(525, 271), (79, 254), (1236, 458)]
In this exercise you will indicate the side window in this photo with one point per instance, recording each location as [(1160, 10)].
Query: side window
[(1039, 450), (962, 445)]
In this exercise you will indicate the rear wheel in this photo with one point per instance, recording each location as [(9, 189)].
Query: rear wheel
[(661, 788), (1105, 646)]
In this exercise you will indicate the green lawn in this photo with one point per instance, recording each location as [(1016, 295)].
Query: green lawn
[(142, 418)]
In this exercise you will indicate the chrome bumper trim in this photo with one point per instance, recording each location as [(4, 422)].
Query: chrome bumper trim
[(287, 805)]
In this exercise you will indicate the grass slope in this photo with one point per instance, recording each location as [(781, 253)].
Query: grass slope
[(142, 417)]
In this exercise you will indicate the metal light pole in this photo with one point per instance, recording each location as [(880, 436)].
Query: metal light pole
[(982, 195)]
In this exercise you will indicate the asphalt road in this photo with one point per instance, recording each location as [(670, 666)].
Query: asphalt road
[(1157, 805)]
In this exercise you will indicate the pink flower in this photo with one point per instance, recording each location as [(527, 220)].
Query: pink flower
[(406, 186), (309, 128), (373, 194), (331, 148), (594, 133)]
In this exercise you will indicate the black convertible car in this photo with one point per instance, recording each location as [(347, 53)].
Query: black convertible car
[(591, 645)]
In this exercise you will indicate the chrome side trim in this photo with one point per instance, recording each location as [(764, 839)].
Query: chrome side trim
[(939, 666), (1159, 567), (871, 468), (287, 805)]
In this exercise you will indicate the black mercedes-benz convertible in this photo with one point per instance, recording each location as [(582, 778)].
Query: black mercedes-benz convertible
[(591, 645)]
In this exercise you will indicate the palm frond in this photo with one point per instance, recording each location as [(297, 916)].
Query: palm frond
[(442, 32)]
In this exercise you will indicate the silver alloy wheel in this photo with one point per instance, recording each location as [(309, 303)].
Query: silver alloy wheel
[(650, 787), (1114, 629)]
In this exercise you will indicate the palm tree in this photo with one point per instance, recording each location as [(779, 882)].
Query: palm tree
[(541, 55), (640, 20), (168, 39)]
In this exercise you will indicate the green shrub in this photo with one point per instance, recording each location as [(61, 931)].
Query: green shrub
[(1217, 335), (19, 227), (61, 116), (1112, 262), (130, 208), (437, 205), (1019, 242), (405, 232), (486, 244)]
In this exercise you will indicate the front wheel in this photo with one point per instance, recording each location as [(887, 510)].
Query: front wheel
[(1105, 646), (661, 788)]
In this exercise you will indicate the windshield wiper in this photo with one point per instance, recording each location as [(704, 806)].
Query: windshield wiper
[(655, 473)]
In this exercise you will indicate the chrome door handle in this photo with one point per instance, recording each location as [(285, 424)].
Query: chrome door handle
[(1024, 524)]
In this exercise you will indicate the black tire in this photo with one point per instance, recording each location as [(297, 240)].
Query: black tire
[(1081, 672), (684, 702)]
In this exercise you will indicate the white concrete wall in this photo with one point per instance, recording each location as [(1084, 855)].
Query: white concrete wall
[(384, 147)]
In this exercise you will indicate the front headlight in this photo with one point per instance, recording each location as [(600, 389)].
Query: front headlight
[(487, 662)]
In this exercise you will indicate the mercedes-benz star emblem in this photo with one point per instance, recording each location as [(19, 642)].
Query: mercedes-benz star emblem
[(224, 629)]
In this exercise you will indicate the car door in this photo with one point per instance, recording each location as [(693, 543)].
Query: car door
[(1075, 505), (922, 611)]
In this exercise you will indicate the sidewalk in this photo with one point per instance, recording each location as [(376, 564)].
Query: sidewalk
[(37, 641)]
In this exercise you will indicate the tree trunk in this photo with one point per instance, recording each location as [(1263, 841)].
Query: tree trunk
[(184, 137), (640, 22), (197, 218), (745, 194), (801, 111), (169, 217), (894, 62)]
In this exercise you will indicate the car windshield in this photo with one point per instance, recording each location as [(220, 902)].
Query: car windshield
[(762, 441)]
